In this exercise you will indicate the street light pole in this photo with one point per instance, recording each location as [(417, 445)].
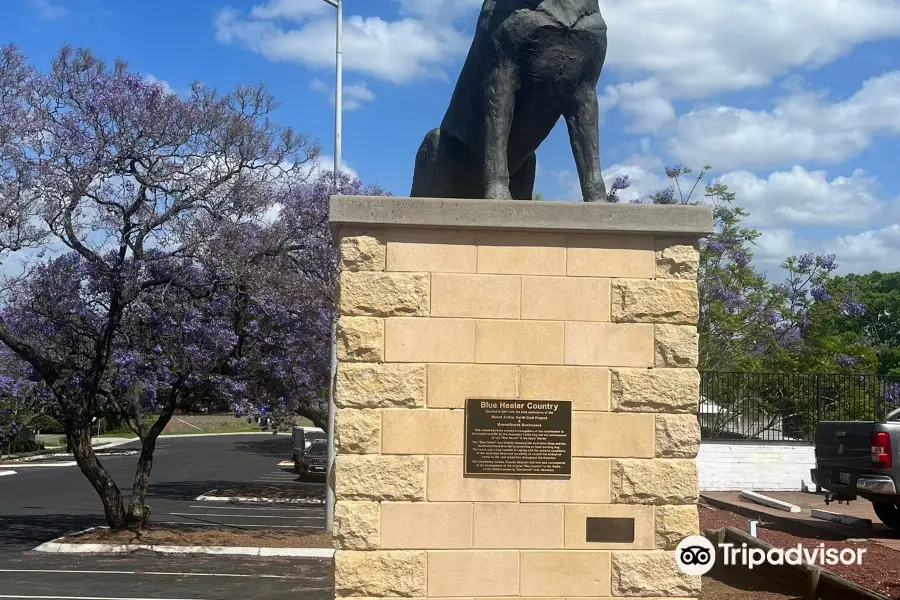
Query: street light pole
[(339, 83), (338, 101)]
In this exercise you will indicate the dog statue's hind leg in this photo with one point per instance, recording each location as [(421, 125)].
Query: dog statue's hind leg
[(582, 118), (499, 107)]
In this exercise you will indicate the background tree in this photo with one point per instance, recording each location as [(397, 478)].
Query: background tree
[(191, 257)]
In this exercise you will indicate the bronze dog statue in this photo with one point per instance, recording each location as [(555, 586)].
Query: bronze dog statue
[(530, 63)]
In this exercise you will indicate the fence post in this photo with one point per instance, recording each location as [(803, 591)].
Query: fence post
[(819, 415)]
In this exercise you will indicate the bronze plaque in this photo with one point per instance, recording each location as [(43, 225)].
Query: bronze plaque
[(611, 530), (518, 437)]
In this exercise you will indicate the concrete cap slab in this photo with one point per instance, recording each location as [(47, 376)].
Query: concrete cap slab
[(520, 215)]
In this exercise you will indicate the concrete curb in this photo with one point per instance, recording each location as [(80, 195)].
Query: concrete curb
[(307, 501), (770, 502), (55, 547), (827, 515), (5, 473)]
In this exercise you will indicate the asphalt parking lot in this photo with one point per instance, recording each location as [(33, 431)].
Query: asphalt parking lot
[(38, 504)]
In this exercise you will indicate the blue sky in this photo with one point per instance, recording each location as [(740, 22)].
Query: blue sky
[(795, 103)]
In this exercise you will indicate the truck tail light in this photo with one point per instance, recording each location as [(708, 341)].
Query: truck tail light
[(880, 443)]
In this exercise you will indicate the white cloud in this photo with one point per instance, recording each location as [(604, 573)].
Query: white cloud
[(289, 9), (775, 245), (802, 127), (398, 51), (353, 95), (700, 47), (801, 197), (876, 249), (48, 10), (440, 9), (643, 101)]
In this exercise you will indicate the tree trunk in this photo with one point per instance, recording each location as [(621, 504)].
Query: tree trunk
[(110, 496), (138, 511)]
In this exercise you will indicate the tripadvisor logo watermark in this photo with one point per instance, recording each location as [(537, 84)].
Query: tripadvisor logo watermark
[(696, 555)]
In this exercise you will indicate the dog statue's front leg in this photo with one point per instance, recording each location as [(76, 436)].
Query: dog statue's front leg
[(582, 118), (499, 105)]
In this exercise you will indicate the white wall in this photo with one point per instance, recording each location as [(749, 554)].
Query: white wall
[(730, 465)]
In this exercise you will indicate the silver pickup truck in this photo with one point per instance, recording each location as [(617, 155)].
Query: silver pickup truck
[(861, 459)]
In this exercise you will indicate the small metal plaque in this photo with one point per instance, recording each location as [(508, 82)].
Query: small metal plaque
[(611, 530), (518, 437)]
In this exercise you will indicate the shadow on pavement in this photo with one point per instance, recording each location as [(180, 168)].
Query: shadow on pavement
[(24, 532), (276, 446)]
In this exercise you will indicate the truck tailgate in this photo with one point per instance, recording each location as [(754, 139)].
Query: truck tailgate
[(844, 444)]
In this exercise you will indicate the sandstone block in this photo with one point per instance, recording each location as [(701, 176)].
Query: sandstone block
[(650, 574), (378, 294), (357, 431), (479, 574), (601, 435), (360, 385), (431, 525), (478, 296), (655, 390), (515, 253), (655, 301), (604, 255), (609, 344), (380, 478), (356, 525), (447, 484), (426, 431), (450, 384), (519, 342), (677, 436), (658, 481), (677, 258), (433, 250), (565, 298), (589, 484), (380, 574), (560, 574), (362, 249), (360, 339), (676, 345), (501, 525), (586, 387), (674, 523), (429, 340)]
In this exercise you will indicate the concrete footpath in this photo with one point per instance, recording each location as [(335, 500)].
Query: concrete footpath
[(879, 532)]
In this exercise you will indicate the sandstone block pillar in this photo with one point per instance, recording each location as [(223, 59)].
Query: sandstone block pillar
[(444, 300)]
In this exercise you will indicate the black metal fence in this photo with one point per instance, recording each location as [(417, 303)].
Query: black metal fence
[(787, 406)]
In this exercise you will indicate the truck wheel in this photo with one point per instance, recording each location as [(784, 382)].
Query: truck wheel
[(889, 513)]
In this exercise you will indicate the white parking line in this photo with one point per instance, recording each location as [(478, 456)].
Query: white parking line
[(5, 473), (242, 516), (264, 508), (101, 572)]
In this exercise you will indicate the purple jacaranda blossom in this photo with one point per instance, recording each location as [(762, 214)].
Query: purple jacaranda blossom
[(740, 258), (892, 393), (666, 196), (620, 183), (819, 293), (843, 360), (851, 306), (828, 262), (716, 247), (805, 262)]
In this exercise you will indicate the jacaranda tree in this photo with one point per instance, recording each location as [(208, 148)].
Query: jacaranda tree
[(166, 252)]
